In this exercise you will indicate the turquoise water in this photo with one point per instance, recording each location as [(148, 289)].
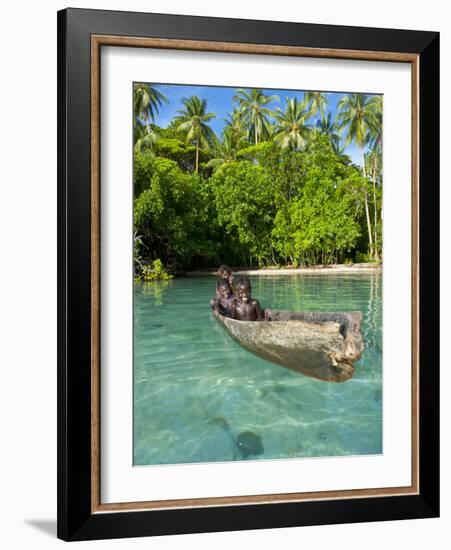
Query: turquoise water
[(200, 397)]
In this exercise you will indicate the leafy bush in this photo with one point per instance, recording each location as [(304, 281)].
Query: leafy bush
[(153, 272), (245, 209), (172, 212), (363, 258), (269, 207)]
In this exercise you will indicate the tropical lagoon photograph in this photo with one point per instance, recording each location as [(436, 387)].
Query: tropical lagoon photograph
[(257, 257)]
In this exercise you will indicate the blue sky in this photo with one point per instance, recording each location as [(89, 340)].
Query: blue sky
[(219, 101)]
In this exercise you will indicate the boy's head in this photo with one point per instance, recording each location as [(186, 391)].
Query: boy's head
[(223, 288), (225, 272), (243, 289)]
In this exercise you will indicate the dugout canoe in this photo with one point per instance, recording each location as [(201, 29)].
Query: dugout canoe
[(316, 344)]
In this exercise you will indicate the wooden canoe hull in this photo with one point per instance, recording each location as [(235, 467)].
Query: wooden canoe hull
[(320, 345)]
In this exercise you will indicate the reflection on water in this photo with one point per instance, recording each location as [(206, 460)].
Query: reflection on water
[(199, 397)]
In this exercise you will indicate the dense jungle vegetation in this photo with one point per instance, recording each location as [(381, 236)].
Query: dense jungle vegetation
[(276, 188)]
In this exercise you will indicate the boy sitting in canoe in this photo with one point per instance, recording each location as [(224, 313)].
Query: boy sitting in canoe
[(246, 308), (224, 272), (224, 302)]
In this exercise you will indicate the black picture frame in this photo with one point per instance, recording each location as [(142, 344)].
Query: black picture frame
[(76, 520)]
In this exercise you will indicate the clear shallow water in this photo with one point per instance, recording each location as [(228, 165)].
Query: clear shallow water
[(200, 397)]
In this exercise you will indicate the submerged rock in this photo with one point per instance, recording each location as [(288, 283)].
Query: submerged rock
[(249, 443)]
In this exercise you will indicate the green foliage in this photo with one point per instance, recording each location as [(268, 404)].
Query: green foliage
[(327, 126), (292, 130), (175, 149), (281, 206), (363, 258), (144, 137), (244, 203), (227, 149), (254, 112), (253, 152), (171, 212), (263, 193), (359, 115), (192, 124), (317, 102), (146, 101), (317, 222), (154, 272), (145, 271)]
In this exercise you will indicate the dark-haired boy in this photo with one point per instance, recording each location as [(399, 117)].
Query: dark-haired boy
[(224, 302), (225, 272), (246, 308)]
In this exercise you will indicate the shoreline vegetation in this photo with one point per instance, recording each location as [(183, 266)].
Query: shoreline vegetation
[(276, 188), (370, 267), (329, 269)]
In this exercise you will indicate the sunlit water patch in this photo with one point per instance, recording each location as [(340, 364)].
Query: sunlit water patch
[(200, 397)]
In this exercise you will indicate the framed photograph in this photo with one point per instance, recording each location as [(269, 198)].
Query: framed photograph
[(248, 274)]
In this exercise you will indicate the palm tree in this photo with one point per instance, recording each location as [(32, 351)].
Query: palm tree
[(325, 125), (292, 129), (255, 114), (226, 150), (318, 102), (357, 117), (143, 137), (192, 121), (373, 168), (235, 121), (146, 102), (374, 140), (374, 135)]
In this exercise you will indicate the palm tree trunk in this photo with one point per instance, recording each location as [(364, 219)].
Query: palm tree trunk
[(367, 211), (197, 157), (376, 253)]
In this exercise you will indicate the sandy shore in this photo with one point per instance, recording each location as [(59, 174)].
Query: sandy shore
[(317, 270)]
